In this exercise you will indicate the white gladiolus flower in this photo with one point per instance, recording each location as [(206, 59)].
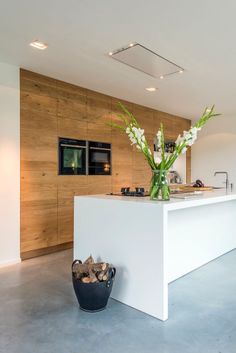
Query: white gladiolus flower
[(179, 140), (188, 138), (158, 139), (127, 130), (191, 142), (187, 135), (184, 150), (194, 130), (157, 157), (157, 160), (138, 133)]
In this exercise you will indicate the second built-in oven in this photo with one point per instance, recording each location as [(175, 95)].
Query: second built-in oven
[(99, 158)]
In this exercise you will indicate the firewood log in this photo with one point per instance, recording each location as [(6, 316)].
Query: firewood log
[(89, 260), (93, 276), (88, 280), (105, 277), (91, 272), (103, 273), (86, 268)]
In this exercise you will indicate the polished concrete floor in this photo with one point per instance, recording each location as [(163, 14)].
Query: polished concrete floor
[(39, 313)]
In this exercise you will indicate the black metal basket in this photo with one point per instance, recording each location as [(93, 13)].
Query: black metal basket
[(93, 297)]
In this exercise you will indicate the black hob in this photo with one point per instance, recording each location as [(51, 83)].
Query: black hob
[(138, 192)]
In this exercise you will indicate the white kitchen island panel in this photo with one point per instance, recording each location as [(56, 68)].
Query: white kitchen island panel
[(153, 243), (128, 235), (197, 235)]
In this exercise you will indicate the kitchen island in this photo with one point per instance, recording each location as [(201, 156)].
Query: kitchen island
[(152, 243)]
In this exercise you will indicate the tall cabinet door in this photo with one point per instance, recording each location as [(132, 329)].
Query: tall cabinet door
[(72, 123), (38, 163)]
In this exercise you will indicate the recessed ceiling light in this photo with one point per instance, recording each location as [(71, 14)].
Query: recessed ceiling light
[(131, 45), (151, 89), (110, 53), (38, 45), (161, 77), (181, 71)]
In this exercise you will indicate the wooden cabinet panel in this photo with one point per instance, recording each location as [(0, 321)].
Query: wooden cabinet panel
[(36, 79), (116, 110), (121, 177), (40, 87), (122, 161), (65, 223), (99, 116), (168, 125), (144, 117), (68, 187), (38, 224), (99, 184), (180, 125), (36, 185), (43, 104), (70, 92), (72, 128), (188, 165), (38, 136), (73, 109), (141, 171)]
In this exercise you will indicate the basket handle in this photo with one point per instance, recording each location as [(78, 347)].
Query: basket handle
[(75, 262), (112, 272)]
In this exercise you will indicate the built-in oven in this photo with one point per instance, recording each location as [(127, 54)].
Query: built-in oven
[(72, 157), (99, 158)]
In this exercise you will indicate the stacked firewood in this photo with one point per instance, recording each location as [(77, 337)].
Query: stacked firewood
[(90, 271)]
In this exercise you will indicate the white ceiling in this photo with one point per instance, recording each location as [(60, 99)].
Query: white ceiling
[(197, 35)]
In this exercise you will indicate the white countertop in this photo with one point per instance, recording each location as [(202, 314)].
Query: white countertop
[(207, 197)]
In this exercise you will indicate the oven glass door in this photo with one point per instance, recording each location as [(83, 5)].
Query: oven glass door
[(99, 161), (72, 160)]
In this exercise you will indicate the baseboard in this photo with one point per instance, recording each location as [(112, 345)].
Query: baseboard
[(45, 251), (10, 262)]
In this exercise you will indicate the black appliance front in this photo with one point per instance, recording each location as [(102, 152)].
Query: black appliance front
[(99, 158), (72, 157)]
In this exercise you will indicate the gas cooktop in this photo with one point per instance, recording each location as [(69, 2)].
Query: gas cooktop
[(138, 192)]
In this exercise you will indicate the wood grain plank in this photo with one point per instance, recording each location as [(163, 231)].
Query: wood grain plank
[(38, 224)]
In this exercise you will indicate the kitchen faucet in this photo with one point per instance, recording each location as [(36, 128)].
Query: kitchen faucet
[(226, 178)]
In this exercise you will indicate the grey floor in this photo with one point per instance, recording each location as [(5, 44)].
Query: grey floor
[(39, 313)]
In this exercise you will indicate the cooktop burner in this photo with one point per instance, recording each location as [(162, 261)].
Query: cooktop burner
[(138, 192)]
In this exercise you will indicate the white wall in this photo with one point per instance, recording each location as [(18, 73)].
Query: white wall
[(215, 150), (180, 167), (9, 165)]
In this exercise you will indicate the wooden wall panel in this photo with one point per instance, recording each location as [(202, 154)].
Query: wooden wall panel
[(38, 163), (68, 187), (38, 224), (98, 117), (52, 109), (122, 157)]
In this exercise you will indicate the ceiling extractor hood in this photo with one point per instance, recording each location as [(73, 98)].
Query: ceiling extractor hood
[(145, 60)]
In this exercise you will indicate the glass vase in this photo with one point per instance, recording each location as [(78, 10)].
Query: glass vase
[(159, 188)]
